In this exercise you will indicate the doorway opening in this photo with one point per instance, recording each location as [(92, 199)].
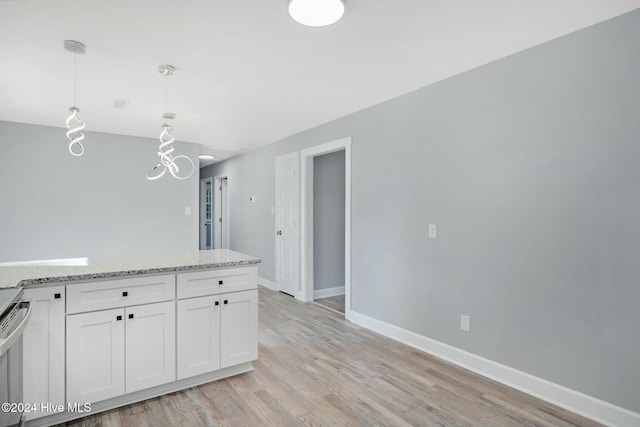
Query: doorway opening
[(309, 242), (221, 212), (328, 230), (206, 213)]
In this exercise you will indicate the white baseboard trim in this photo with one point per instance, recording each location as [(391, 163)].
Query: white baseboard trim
[(575, 401), (267, 283), (329, 292)]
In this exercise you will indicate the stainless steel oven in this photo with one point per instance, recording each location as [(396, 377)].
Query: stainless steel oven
[(14, 316)]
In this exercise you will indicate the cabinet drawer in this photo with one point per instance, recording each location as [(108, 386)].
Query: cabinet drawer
[(119, 293), (213, 282)]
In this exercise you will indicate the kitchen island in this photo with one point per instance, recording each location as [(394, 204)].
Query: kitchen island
[(112, 331)]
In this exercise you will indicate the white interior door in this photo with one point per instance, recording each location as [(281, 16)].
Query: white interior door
[(287, 212)]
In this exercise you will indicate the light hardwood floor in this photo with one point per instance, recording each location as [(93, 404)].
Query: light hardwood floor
[(317, 369), (335, 303)]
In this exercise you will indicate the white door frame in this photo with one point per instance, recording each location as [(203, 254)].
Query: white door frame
[(217, 212), (292, 155), (306, 224)]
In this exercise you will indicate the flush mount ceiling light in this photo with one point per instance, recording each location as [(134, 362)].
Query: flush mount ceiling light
[(206, 157), (316, 13), (73, 122), (165, 150)]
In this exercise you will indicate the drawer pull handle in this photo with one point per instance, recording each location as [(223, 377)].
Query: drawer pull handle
[(219, 282), (131, 316), (118, 317), (226, 301), (125, 294), (216, 303), (57, 296)]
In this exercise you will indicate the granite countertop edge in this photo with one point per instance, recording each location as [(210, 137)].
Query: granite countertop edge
[(125, 273)]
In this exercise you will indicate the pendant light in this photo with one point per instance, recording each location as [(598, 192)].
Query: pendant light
[(165, 150), (316, 13), (74, 124)]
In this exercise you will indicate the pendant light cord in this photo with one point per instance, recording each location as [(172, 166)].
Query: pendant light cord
[(75, 77), (166, 95)]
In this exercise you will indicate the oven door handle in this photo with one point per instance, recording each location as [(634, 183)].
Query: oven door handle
[(6, 343)]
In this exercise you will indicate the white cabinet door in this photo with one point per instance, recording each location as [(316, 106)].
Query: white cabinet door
[(239, 328), (151, 347), (95, 356), (198, 336), (43, 344)]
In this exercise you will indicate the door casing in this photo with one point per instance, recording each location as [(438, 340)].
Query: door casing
[(306, 224)]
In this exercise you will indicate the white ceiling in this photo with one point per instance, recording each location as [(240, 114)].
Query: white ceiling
[(247, 74)]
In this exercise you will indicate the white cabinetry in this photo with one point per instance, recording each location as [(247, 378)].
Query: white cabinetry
[(94, 296), (120, 350), (43, 344), (239, 328), (95, 356), (122, 340), (214, 282), (219, 327), (150, 345), (198, 336)]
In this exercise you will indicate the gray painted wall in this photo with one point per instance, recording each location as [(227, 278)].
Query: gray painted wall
[(55, 205), (530, 167), (328, 220)]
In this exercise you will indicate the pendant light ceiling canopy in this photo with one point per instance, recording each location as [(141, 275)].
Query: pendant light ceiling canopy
[(316, 13)]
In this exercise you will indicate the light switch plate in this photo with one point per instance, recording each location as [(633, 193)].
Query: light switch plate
[(465, 322), (187, 210), (433, 231)]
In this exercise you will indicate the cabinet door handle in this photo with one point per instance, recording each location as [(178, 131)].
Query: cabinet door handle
[(125, 294), (216, 303), (131, 316), (220, 282), (118, 317), (226, 301), (57, 296)]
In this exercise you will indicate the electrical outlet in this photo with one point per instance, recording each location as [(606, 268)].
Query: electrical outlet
[(433, 231), (465, 323)]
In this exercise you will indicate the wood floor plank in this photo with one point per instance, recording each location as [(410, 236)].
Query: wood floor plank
[(316, 369), (334, 303)]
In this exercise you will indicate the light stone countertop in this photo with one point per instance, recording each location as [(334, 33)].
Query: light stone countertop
[(81, 269)]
